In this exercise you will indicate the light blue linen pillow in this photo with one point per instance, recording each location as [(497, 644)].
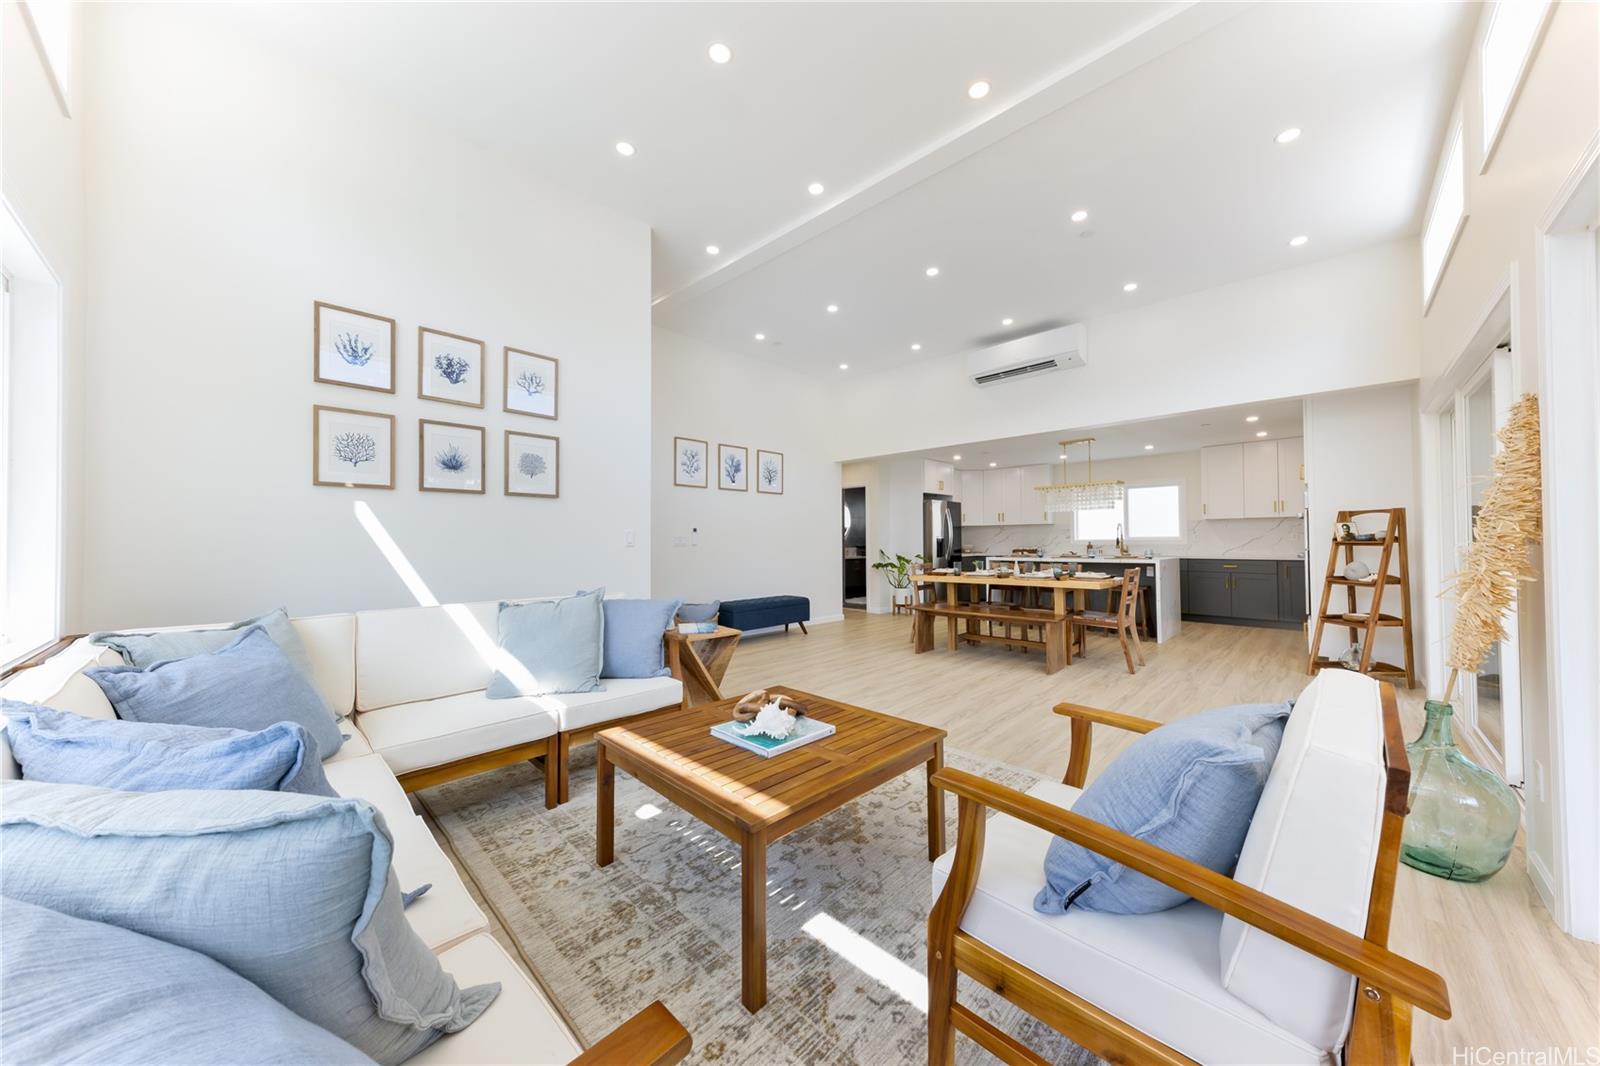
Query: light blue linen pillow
[(699, 612), (66, 748), (293, 893), (633, 632), (147, 649), (559, 644), (250, 684), (1189, 787), (80, 991)]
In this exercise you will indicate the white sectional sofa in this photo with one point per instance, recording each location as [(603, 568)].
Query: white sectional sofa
[(409, 685)]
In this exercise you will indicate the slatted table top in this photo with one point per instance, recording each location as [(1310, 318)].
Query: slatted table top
[(779, 793)]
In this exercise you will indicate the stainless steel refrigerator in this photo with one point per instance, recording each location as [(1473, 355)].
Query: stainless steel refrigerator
[(941, 531)]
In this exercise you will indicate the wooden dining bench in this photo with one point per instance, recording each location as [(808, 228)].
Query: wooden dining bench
[(1057, 650)]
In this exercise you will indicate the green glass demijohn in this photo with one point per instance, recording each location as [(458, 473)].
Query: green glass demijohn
[(1463, 818)]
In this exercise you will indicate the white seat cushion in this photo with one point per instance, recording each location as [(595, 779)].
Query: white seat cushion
[(355, 743), (1158, 972), (446, 914), (621, 696), (414, 736), (520, 1026), (1313, 843)]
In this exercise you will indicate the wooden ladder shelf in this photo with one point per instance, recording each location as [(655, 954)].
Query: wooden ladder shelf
[(1365, 625)]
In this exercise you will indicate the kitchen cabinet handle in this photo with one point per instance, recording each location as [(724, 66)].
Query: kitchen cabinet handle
[(1230, 566)]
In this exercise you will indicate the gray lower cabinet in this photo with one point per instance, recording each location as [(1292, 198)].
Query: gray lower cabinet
[(1243, 591)]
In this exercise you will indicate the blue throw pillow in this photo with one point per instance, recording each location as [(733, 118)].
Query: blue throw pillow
[(1189, 787), (293, 893), (147, 649), (633, 632), (699, 612), (69, 749), (81, 991), (550, 646), (250, 685)]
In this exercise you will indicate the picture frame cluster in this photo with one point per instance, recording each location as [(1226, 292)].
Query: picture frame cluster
[(352, 448), (692, 467)]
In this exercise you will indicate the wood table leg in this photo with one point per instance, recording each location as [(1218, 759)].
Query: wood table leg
[(753, 912), (1054, 642), (605, 787), (935, 804)]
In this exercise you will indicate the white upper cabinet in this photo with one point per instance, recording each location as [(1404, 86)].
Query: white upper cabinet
[(1032, 499), (1262, 479), (973, 508), (1004, 496), (1222, 481), (938, 478)]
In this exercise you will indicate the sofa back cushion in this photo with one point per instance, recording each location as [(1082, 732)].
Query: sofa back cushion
[(330, 644), (424, 653), (1313, 843), (550, 646)]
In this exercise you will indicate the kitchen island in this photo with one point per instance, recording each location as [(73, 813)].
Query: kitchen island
[(1161, 582)]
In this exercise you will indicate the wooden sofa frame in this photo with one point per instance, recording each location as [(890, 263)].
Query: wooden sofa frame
[(653, 1037), (1388, 985)]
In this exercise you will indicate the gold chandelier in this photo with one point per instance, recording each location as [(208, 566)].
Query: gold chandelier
[(1085, 495)]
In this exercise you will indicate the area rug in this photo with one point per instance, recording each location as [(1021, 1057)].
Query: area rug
[(846, 917)]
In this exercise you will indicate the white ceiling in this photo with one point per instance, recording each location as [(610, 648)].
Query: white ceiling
[(1179, 433), (1156, 118)]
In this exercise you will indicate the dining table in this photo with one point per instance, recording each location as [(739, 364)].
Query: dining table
[(1054, 620)]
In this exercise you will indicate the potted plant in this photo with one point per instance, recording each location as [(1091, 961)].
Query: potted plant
[(896, 570)]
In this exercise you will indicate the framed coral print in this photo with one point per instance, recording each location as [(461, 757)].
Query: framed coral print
[(769, 472), (449, 367), (351, 449), (532, 383), (690, 461), (733, 468), (533, 464), (353, 348), (450, 457)]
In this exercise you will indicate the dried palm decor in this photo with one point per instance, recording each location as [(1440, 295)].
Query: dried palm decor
[(1498, 558)]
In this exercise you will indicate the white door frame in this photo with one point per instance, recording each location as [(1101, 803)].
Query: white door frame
[(1569, 349)]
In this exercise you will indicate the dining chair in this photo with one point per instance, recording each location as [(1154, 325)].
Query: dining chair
[(1120, 620)]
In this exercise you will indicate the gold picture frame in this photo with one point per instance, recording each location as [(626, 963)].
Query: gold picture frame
[(763, 485), (530, 386), (529, 475), (358, 340), (691, 463), (423, 333), (442, 479), (354, 449), (740, 482)]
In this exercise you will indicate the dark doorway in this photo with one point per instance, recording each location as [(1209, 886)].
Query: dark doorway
[(854, 536)]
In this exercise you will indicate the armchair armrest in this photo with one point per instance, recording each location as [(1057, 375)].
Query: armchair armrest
[(1082, 719), (653, 1037), (1375, 965)]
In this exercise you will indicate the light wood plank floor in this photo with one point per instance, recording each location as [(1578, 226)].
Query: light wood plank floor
[(1516, 981)]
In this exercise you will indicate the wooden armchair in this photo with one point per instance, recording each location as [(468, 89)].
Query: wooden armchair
[(1299, 1005)]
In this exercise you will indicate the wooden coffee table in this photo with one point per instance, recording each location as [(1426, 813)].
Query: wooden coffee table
[(753, 801)]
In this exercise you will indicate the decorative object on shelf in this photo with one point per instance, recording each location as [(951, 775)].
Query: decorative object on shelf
[(733, 468), (1464, 818), (351, 449), (691, 462), (533, 464), (1357, 571), (449, 367), (896, 569), (1344, 531), (769, 472), (450, 457), (532, 383), (352, 348), (1066, 496)]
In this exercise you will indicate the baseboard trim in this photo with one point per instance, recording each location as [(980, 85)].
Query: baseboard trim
[(1543, 883)]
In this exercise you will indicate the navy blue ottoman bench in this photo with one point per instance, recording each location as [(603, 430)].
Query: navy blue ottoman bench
[(762, 612)]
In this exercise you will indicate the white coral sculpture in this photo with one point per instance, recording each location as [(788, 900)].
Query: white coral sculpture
[(772, 721)]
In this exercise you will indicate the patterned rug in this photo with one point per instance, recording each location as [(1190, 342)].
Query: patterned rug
[(846, 917)]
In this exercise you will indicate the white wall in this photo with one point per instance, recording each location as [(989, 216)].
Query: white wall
[(748, 543), (1339, 323), (1550, 125), (228, 189), (1360, 454)]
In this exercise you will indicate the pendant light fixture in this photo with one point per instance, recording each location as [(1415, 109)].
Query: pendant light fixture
[(1085, 495)]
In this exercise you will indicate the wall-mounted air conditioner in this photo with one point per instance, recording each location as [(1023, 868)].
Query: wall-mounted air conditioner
[(1054, 349)]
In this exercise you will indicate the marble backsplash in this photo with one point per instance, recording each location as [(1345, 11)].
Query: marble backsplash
[(1242, 538)]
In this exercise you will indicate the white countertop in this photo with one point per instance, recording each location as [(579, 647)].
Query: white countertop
[(1078, 558)]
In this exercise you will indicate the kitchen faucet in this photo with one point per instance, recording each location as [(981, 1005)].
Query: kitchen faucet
[(1122, 545)]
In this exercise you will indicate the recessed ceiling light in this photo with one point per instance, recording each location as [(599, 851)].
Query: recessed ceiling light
[(978, 90), (955, 458), (1295, 242), (1149, 447), (1007, 321), (916, 347), (932, 272), (1288, 136), (833, 309), (1252, 418), (815, 188), (1261, 433), (719, 53), (761, 336), (1080, 216), (844, 366), (994, 464), (712, 249), (624, 148), (1130, 286)]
